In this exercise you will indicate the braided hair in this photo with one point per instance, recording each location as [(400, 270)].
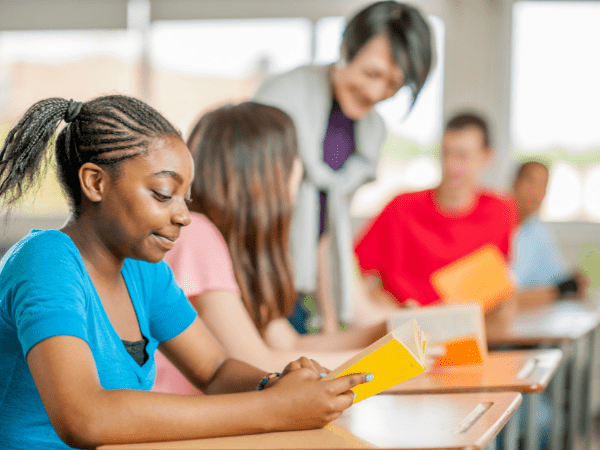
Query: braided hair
[(104, 131)]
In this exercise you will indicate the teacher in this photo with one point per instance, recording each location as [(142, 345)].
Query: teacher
[(386, 46)]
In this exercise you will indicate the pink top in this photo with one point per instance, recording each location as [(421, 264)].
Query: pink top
[(200, 262)]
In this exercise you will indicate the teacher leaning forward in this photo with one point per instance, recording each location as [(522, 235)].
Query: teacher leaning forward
[(386, 46)]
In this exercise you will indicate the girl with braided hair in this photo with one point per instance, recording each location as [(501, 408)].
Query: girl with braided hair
[(83, 308)]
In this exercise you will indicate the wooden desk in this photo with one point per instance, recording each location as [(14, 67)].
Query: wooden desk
[(433, 422), (570, 326), (564, 321), (527, 371)]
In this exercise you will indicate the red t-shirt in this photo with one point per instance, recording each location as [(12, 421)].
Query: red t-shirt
[(413, 237)]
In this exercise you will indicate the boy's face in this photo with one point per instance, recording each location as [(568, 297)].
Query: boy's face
[(530, 188), (464, 158)]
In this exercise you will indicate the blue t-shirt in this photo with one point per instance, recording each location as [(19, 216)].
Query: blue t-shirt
[(46, 291), (537, 261)]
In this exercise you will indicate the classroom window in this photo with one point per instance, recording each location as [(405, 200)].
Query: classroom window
[(35, 65), (328, 38), (555, 101), (212, 62)]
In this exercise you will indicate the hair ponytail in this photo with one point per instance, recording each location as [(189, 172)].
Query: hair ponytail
[(104, 131), (25, 146)]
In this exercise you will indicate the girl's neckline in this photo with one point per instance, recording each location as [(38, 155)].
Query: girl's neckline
[(139, 369)]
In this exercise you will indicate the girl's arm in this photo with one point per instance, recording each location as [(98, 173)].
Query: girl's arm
[(372, 303), (200, 364), (354, 338), (371, 306), (537, 296), (225, 315), (86, 415)]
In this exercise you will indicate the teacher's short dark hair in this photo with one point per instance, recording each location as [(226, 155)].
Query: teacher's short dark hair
[(408, 33)]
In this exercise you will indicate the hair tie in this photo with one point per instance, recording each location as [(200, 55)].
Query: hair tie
[(73, 110)]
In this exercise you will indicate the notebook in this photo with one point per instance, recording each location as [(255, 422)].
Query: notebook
[(394, 358), (482, 276)]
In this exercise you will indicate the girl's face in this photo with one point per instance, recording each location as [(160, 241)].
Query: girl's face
[(371, 77), (144, 208)]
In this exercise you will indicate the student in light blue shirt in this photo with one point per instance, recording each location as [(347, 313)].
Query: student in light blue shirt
[(538, 266)]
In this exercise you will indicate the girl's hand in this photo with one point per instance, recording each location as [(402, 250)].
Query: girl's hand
[(305, 363), (411, 303), (302, 363), (302, 400)]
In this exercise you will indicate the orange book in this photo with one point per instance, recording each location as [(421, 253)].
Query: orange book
[(460, 329), (460, 351), (482, 276)]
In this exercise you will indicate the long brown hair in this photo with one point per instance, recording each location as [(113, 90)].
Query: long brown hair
[(244, 156)]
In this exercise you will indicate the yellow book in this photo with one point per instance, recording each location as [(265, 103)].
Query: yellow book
[(396, 357)]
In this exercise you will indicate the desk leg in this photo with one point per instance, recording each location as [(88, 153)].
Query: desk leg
[(531, 438), (558, 391), (511, 432), (588, 402), (595, 391), (492, 445), (575, 389)]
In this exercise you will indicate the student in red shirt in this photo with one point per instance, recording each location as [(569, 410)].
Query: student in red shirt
[(420, 232)]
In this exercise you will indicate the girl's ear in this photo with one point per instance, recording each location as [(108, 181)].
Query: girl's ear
[(93, 180)]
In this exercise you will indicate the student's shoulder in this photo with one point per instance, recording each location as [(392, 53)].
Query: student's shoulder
[(498, 200), (38, 238), (42, 256), (300, 76), (534, 228), (40, 245), (409, 200), (199, 247), (200, 234), (294, 88)]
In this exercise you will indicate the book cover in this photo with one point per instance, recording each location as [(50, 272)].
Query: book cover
[(482, 276), (461, 351), (394, 358)]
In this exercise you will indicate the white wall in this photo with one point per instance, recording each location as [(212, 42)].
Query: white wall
[(477, 71)]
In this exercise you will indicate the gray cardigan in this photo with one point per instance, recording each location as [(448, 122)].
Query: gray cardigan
[(305, 95)]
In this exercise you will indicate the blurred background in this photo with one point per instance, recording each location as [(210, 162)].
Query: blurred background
[(532, 67)]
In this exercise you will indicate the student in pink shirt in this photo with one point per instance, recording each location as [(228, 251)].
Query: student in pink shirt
[(200, 245), (233, 261)]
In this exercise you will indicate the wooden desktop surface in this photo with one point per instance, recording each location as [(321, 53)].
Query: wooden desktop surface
[(554, 324), (524, 371), (433, 422)]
